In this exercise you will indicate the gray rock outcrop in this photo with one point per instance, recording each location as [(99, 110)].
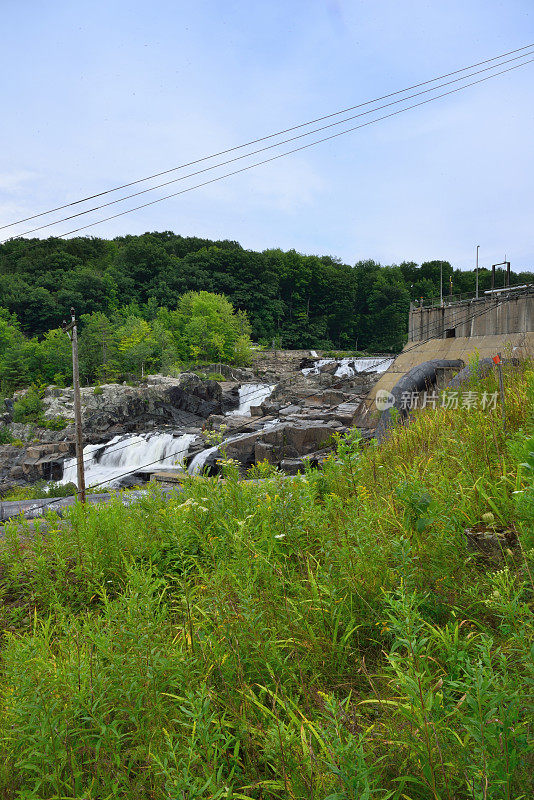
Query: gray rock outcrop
[(116, 408), (287, 440), (109, 410)]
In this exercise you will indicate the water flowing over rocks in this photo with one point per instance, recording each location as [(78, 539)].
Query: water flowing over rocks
[(131, 458), (108, 411), (285, 410)]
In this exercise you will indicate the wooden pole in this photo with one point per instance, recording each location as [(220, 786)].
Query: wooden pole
[(77, 406)]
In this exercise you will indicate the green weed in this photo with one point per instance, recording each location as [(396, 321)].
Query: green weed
[(333, 636)]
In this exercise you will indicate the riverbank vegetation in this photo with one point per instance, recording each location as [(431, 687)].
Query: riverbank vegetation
[(300, 301), (203, 327), (364, 631)]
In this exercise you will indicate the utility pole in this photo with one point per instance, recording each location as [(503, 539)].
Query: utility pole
[(441, 284), (477, 273), (71, 326)]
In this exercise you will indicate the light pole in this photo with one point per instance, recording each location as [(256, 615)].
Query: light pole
[(441, 283), (477, 274)]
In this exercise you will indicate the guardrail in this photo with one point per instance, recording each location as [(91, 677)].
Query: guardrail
[(435, 302), (448, 300)]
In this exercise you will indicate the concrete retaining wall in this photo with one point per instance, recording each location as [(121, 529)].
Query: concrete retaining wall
[(487, 316)]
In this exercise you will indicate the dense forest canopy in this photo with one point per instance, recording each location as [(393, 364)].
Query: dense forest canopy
[(204, 327), (299, 301)]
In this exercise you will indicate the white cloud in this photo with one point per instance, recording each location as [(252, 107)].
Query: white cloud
[(16, 181)]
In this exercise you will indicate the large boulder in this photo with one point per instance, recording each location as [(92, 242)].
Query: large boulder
[(116, 408), (287, 440), (196, 396), (33, 462)]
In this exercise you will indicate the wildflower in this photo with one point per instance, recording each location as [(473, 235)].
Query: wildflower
[(191, 502), (279, 535)]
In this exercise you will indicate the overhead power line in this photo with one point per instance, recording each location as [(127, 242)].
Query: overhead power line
[(290, 152), (268, 136), (270, 146)]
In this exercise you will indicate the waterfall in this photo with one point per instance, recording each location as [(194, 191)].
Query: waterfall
[(350, 366), (347, 367), (251, 394), (198, 463), (315, 370), (125, 455)]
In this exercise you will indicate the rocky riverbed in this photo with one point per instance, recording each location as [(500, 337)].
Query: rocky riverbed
[(284, 410)]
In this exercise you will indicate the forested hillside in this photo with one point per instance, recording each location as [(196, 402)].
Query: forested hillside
[(302, 301)]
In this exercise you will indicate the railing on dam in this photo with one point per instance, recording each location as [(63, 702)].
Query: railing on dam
[(497, 312), (466, 297), (436, 302)]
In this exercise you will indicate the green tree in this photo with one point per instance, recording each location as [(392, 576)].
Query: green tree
[(98, 348), (14, 363), (206, 327), (389, 304), (136, 345), (301, 300), (54, 356), (15, 371)]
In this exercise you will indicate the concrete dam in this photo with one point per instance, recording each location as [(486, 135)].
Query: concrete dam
[(500, 321)]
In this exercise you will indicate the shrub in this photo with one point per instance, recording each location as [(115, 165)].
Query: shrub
[(261, 470), (60, 380), (6, 437), (28, 407), (54, 424), (330, 635), (59, 490)]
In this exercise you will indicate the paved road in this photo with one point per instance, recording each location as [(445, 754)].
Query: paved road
[(31, 509)]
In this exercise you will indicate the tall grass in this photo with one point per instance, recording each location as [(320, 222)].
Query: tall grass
[(334, 636)]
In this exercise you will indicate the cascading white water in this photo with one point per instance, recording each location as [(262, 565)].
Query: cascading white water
[(124, 455), (351, 366), (315, 370), (251, 394), (198, 463), (363, 365)]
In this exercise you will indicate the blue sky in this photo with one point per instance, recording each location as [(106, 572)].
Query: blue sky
[(99, 92)]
